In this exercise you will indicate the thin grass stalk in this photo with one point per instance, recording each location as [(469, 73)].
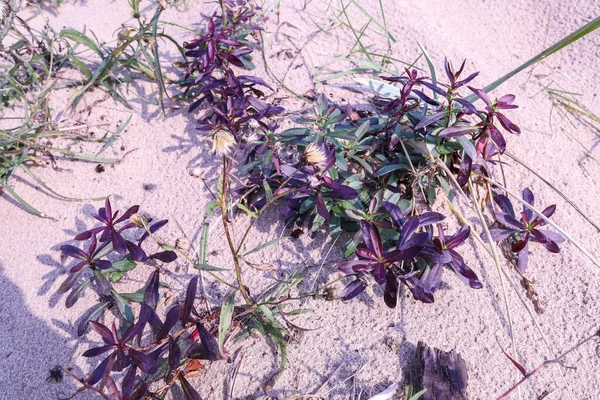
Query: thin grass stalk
[(567, 40), (571, 203), (542, 216), (236, 261), (497, 262), (516, 289)]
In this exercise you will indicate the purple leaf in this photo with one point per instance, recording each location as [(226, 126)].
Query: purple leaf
[(170, 321), (482, 95), (209, 343), (103, 286), (459, 237), (103, 331), (454, 131), (434, 88), (429, 120), (466, 80), (497, 137), (364, 253), (523, 258), (321, 207), (189, 300), (371, 237), (102, 264), (153, 228), (189, 392), (353, 289), (464, 172), (132, 210), (390, 294), (409, 227), (104, 366), (166, 256), (504, 204), (430, 253), (129, 382), (394, 212), (353, 266), (509, 221), (404, 254), (151, 292), (174, 354), (528, 198), (507, 124), (118, 242), (98, 350), (497, 234), (136, 252), (72, 251), (555, 237), (548, 211), (468, 105), (143, 361)]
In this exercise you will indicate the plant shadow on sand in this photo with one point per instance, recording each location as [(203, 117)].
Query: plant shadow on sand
[(28, 356)]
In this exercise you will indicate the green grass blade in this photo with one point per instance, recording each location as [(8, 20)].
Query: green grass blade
[(574, 36), (43, 184), (266, 244), (225, 318), (24, 203)]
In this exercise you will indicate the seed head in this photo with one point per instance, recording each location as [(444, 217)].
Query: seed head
[(223, 143), (315, 155), (139, 220)]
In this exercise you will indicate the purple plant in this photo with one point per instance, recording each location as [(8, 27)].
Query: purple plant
[(521, 231), (110, 230), (402, 263)]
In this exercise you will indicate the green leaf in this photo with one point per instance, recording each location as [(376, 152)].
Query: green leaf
[(80, 38), (203, 245), (246, 210), (268, 191), (210, 209), (225, 318), (390, 168), (266, 244), (207, 267), (300, 311), (362, 129), (364, 164)]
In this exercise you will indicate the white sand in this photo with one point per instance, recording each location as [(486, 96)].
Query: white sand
[(37, 331)]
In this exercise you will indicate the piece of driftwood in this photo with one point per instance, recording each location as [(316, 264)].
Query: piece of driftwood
[(443, 374)]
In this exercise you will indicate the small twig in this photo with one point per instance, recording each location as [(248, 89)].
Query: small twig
[(557, 360), (85, 386), (497, 262), (323, 263)]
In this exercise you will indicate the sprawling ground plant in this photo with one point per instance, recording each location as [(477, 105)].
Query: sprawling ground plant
[(368, 179), (378, 176), (142, 354)]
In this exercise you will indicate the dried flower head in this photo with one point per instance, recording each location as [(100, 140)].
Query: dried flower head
[(139, 220), (223, 143), (315, 155)]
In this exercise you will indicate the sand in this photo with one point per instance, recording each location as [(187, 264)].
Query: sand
[(359, 348)]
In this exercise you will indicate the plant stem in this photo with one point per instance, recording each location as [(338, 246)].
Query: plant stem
[(515, 287), (497, 262), (557, 360), (236, 261)]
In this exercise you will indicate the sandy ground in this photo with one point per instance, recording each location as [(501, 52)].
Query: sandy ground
[(363, 339)]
